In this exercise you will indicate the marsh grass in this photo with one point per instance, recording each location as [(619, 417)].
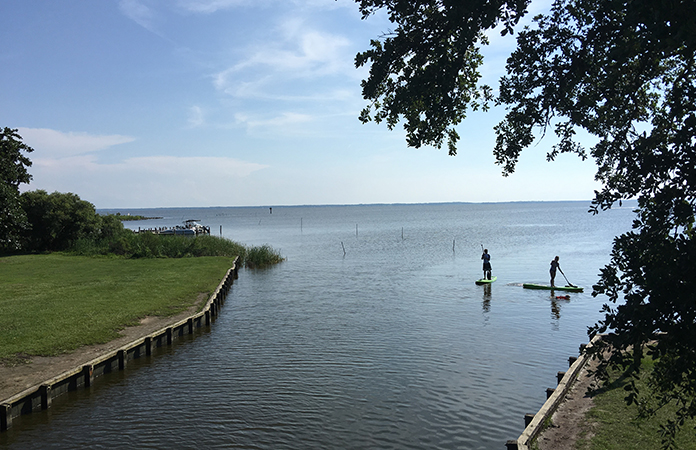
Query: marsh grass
[(148, 245), (618, 426), (257, 257), (55, 303)]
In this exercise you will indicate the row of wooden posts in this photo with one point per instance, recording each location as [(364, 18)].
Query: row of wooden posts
[(534, 423), (39, 397)]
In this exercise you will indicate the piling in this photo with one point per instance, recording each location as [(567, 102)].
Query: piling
[(534, 423)]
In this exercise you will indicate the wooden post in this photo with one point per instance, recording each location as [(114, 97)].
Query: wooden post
[(148, 346), (5, 416), (45, 392), (528, 419), (207, 318), (169, 336), (559, 376), (122, 359), (88, 374), (571, 360), (511, 445), (549, 392), (190, 325)]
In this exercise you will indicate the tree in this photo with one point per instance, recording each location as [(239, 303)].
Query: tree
[(58, 220), (13, 172), (625, 72), (426, 70)]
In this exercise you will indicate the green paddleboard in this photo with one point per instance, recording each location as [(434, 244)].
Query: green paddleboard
[(484, 281), (552, 288)]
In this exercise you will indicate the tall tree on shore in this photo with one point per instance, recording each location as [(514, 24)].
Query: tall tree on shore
[(58, 220), (624, 71), (13, 172)]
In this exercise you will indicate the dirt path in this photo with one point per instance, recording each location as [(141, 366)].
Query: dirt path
[(37, 369), (568, 422)]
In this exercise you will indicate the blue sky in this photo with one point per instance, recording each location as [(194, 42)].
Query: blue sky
[(165, 103)]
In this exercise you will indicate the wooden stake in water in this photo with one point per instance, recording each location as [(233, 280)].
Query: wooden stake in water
[(453, 245), (356, 230), (344, 248), (300, 224), (220, 230), (402, 233)]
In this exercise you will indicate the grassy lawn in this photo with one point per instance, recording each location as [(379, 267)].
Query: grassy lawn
[(618, 427), (53, 303)]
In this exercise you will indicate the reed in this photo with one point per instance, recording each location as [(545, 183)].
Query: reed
[(149, 245), (258, 257)]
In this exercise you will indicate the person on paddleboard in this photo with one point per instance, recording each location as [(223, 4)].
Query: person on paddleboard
[(554, 265), (486, 264)]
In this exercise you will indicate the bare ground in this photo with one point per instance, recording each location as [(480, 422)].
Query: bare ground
[(34, 370), (568, 423)]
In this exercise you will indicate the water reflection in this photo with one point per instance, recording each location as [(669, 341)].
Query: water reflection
[(486, 298), (556, 302)]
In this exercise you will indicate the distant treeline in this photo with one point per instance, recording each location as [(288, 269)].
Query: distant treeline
[(129, 217)]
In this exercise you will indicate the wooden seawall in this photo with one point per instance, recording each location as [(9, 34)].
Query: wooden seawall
[(39, 397), (534, 423)]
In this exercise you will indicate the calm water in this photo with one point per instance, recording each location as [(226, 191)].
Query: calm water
[(389, 345)]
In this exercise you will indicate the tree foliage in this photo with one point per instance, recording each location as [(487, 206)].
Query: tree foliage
[(623, 71), (58, 220), (427, 69), (13, 172)]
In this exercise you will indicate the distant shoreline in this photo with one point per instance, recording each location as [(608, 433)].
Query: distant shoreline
[(130, 217)]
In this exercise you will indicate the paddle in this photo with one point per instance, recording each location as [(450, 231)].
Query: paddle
[(566, 278)]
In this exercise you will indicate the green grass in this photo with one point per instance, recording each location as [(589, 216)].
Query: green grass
[(618, 424), (55, 303)]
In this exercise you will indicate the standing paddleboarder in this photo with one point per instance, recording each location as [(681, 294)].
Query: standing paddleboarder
[(486, 264), (554, 265)]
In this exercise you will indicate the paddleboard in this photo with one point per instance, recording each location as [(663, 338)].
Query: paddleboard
[(552, 288), (484, 281)]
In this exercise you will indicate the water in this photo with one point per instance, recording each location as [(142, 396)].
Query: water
[(389, 345)]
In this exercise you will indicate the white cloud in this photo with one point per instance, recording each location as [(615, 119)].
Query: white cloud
[(299, 53), (56, 144), (151, 180), (211, 6), (140, 13), (284, 120), (202, 167), (196, 117)]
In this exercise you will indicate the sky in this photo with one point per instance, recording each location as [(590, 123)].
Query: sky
[(196, 103)]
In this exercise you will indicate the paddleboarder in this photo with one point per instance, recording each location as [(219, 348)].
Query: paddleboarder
[(554, 265), (486, 264)]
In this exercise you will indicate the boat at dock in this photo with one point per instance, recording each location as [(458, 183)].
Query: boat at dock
[(190, 227)]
